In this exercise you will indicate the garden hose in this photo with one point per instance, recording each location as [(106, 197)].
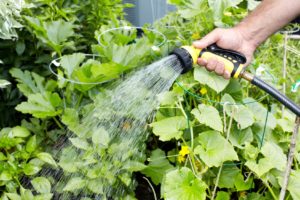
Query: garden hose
[(234, 63)]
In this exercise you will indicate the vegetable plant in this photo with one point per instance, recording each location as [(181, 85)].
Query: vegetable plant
[(210, 138)]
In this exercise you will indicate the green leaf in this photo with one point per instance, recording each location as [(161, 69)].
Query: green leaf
[(41, 105), (190, 9), (95, 186), (31, 169), (53, 33), (80, 143), (212, 80), (5, 176), (20, 47), (134, 166), (228, 176), (239, 138), (2, 156), (59, 31), (260, 113), (31, 144), (234, 89), (214, 149), (287, 122), (71, 119), (26, 194), (221, 195), (274, 158), (43, 197), (13, 196), (4, 83), (241, 184), (47, 158), (167, 98), (68, 159), (241, 114), (181, 184), (294, 184), (169, 128), (100, 136), (20, 131), (92, 71), (41, 185), (209, 116), (71, 62), (75, 183), (219, 6), (157, 167), (29, 82)]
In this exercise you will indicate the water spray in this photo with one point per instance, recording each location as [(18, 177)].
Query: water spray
[(234, 63)]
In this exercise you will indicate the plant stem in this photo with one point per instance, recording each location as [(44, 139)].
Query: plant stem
[(79, 100), (182, 110), (290, 159), (58, 123), (152, 188), (220, 170), (271, 191)]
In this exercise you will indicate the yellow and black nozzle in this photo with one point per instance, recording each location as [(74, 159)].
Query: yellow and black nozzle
[(233, 61)]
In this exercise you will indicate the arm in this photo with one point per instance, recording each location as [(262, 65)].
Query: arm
[(266, 19)]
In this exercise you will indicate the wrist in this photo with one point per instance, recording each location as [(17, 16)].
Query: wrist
[(249, 37)]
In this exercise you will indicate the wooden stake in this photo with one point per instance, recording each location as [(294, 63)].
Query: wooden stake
[(290, 159)]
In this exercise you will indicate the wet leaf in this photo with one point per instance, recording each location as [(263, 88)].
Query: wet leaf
[(80, 143), (100, 136), (74, 184), (31, 169), (46, 157), (169, 128), (41, 185)]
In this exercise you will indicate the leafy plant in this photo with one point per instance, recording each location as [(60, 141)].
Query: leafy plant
[(212, 138), (10, 12)]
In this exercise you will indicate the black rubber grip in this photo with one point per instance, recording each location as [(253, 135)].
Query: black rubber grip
[(240, 58), (277, 95)]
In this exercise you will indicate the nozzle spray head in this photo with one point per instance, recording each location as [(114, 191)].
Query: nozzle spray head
[(233, 61), (187, 56)]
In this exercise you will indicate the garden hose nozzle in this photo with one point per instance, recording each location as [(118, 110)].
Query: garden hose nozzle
[(234, 63)]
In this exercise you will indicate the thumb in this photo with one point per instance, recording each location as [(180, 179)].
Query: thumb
[(209, 39)]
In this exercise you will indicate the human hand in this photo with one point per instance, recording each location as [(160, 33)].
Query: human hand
[(232, 39)]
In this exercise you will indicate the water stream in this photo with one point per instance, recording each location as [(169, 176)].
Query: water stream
[(98, 160)]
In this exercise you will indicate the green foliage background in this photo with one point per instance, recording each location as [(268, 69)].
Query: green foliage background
[(241, 149)]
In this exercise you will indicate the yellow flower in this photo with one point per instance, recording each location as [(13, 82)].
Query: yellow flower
[(184, 151), (196, 36), (181, 159), (203, 91)]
